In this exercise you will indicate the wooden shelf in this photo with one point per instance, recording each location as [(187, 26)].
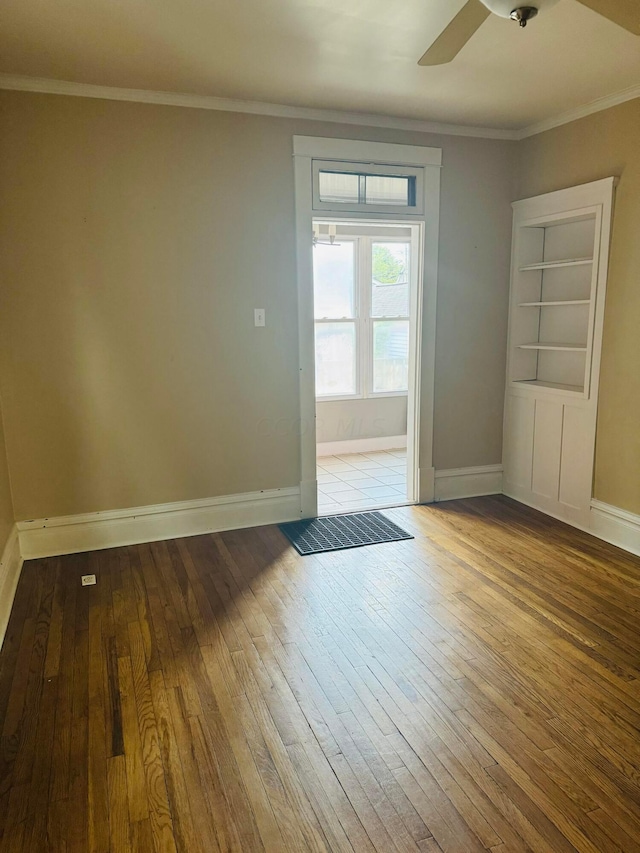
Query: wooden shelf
[(553, 386), (554, 345), (550, 265), (553, 304)]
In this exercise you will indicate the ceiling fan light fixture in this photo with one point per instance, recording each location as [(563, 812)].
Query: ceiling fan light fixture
[(509, 8), (523, 14), (473, 14)]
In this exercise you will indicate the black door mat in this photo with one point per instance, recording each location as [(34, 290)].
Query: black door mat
[(335, 532)]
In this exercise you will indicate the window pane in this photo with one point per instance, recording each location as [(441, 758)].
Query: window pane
[(339, 187), (390, 279), (390, 355), (334, 280), (382, 189), (335, 359)]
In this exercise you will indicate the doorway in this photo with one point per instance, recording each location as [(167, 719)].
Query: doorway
[(365, 282), (341, 181)]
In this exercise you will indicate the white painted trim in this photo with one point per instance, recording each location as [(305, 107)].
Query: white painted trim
[(359, 151), (426, 485), (48, 537), (19, 83), (606, 522), (43, 85), (616, 526), (455, 483), (564, 203), (306, 354), (10, 567), (422, 354), (361, 445), (422, 394), (582, 111)]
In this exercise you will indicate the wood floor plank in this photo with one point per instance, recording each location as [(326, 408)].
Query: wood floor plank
[(134, 761), (179, 737), (226, 830), (298, 824), (25, 755), (98, 731), (14, 708), (119, 825), (475, 688), (37, 807), (79, 752), (160, 817), (12, 672), (59, 785), (187, 839)]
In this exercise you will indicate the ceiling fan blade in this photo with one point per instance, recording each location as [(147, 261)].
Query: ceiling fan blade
[(454, 37), (625, 13)]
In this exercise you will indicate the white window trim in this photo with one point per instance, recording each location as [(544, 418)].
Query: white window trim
[(420, 416), (356, 151), (363, 320)]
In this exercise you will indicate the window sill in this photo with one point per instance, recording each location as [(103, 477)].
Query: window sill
[(343, 398)]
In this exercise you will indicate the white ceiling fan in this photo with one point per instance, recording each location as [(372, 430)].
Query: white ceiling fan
[(625, 13)]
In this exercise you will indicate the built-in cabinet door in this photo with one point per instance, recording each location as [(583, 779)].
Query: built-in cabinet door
[(518, 442), (548, 455), (578, 441), (547, 446)]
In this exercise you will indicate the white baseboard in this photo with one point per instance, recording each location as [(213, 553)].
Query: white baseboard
[(48, 537), (361, 445), (10, 566), (454, 483), (616, 526), (579, 517)]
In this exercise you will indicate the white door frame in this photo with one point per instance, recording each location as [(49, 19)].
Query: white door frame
[(422, 358)]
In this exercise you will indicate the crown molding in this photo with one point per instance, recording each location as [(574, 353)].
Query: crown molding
[(596, 106), (20, 83), (208, 102)]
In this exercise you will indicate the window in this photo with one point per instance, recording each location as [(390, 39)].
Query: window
[(362, 288), (377, 189), (390, 316), (349, 188), (335, 311)]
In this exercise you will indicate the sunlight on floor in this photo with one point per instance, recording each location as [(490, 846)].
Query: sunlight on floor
[(354, 481)]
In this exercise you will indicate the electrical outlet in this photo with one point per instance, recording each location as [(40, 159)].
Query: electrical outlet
[(259, 318), (88, 580)]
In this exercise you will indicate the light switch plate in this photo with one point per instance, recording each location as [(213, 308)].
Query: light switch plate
[(259, 317), (88, 580)]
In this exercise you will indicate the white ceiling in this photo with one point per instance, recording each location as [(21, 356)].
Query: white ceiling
[(358, 55)]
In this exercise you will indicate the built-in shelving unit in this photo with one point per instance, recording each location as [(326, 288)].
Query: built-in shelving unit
[(552, 307), (558, 279)]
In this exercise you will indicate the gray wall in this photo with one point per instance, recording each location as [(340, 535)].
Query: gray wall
[(343, 420), (135, 242)]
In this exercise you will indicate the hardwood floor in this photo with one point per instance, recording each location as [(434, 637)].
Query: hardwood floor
[(476, 688)]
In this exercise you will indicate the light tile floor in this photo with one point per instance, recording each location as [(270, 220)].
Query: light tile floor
[(361, 480)]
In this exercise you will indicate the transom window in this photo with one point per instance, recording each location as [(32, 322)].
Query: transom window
[(370, 187), (354, 188), (362, 288)]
